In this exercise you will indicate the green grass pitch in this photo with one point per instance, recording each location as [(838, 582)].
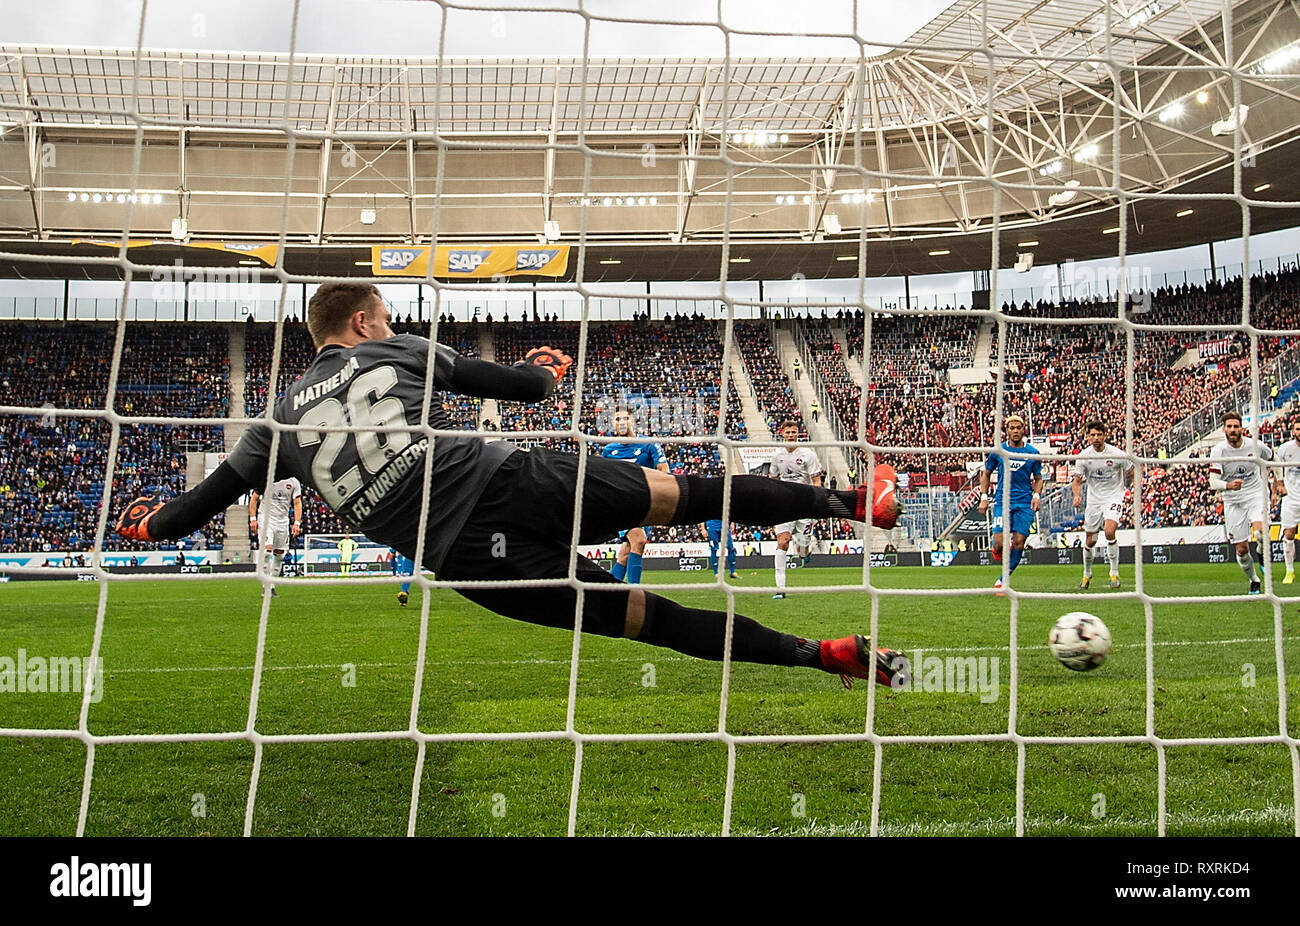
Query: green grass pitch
[(178, 658)]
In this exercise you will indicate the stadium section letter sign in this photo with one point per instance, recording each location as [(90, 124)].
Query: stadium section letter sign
[(472, 263)]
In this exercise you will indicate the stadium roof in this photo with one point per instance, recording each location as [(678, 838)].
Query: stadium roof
[(1059, 111)]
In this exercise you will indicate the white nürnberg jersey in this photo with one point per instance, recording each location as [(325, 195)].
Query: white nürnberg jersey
[(1103, 475), (1290, 453), (798, 465), (1252, 485), (279, 504)]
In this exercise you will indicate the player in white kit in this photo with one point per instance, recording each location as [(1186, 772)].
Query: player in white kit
[(794, 464), (1245, 488), (1288, 486), (1107, 476), (275, 529)]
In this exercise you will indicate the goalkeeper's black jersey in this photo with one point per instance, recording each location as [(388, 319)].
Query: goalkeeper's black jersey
[(374, 479)]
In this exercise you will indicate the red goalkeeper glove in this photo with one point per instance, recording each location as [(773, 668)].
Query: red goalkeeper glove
[(556, 362), (133, 523), (880, 502)]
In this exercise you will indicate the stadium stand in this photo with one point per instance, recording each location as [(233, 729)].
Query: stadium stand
[(51, 469), (667, 373), (510, 343)]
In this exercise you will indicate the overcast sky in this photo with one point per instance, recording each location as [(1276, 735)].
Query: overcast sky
[(414, 27)]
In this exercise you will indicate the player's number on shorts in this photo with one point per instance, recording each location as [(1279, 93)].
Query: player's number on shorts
[(368, 406)]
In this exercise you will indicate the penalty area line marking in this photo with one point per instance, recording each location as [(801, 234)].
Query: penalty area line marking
[(313, 667), (308, 667)]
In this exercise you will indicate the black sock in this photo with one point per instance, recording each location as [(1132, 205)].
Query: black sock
[(758, 500), (808, 653), (700, 633)]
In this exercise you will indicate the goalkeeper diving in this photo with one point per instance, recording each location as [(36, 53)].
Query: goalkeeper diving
[(498, 511)]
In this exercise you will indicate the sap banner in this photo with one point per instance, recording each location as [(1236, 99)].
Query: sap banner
[(470, 263)]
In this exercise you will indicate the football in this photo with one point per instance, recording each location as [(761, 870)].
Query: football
[(1080, 641)]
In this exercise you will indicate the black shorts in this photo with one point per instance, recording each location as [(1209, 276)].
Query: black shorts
[(522, 528)]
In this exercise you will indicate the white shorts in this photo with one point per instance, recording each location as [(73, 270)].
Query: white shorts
[(274, 534), (1106, 509), (795, 528), (1239, 516), (1290, 511)]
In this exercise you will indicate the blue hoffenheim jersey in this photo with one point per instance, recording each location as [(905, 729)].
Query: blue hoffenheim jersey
[(647, 455), (1023, 473), (401, 565)]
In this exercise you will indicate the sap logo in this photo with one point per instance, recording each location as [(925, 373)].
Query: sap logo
[(465, 261), (397, 258), (533, 260)]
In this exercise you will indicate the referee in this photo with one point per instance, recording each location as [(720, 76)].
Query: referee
[(497, 511)]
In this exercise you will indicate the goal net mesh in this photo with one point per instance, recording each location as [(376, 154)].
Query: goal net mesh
[(850, 179)]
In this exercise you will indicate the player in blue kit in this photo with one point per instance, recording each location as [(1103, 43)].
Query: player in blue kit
[(643, 453), (1026, 486), (402, 566), (714, 529)]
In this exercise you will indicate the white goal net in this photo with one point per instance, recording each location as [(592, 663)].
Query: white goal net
[(988, 136)]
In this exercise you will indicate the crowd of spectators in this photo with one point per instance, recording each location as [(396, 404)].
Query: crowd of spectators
[(1066, 374), (666, 371), (52, 466), (296, 355), (906, 406), (1177, 496), (915, 348), (511, 342), (1058, 376), (1063, 373)]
